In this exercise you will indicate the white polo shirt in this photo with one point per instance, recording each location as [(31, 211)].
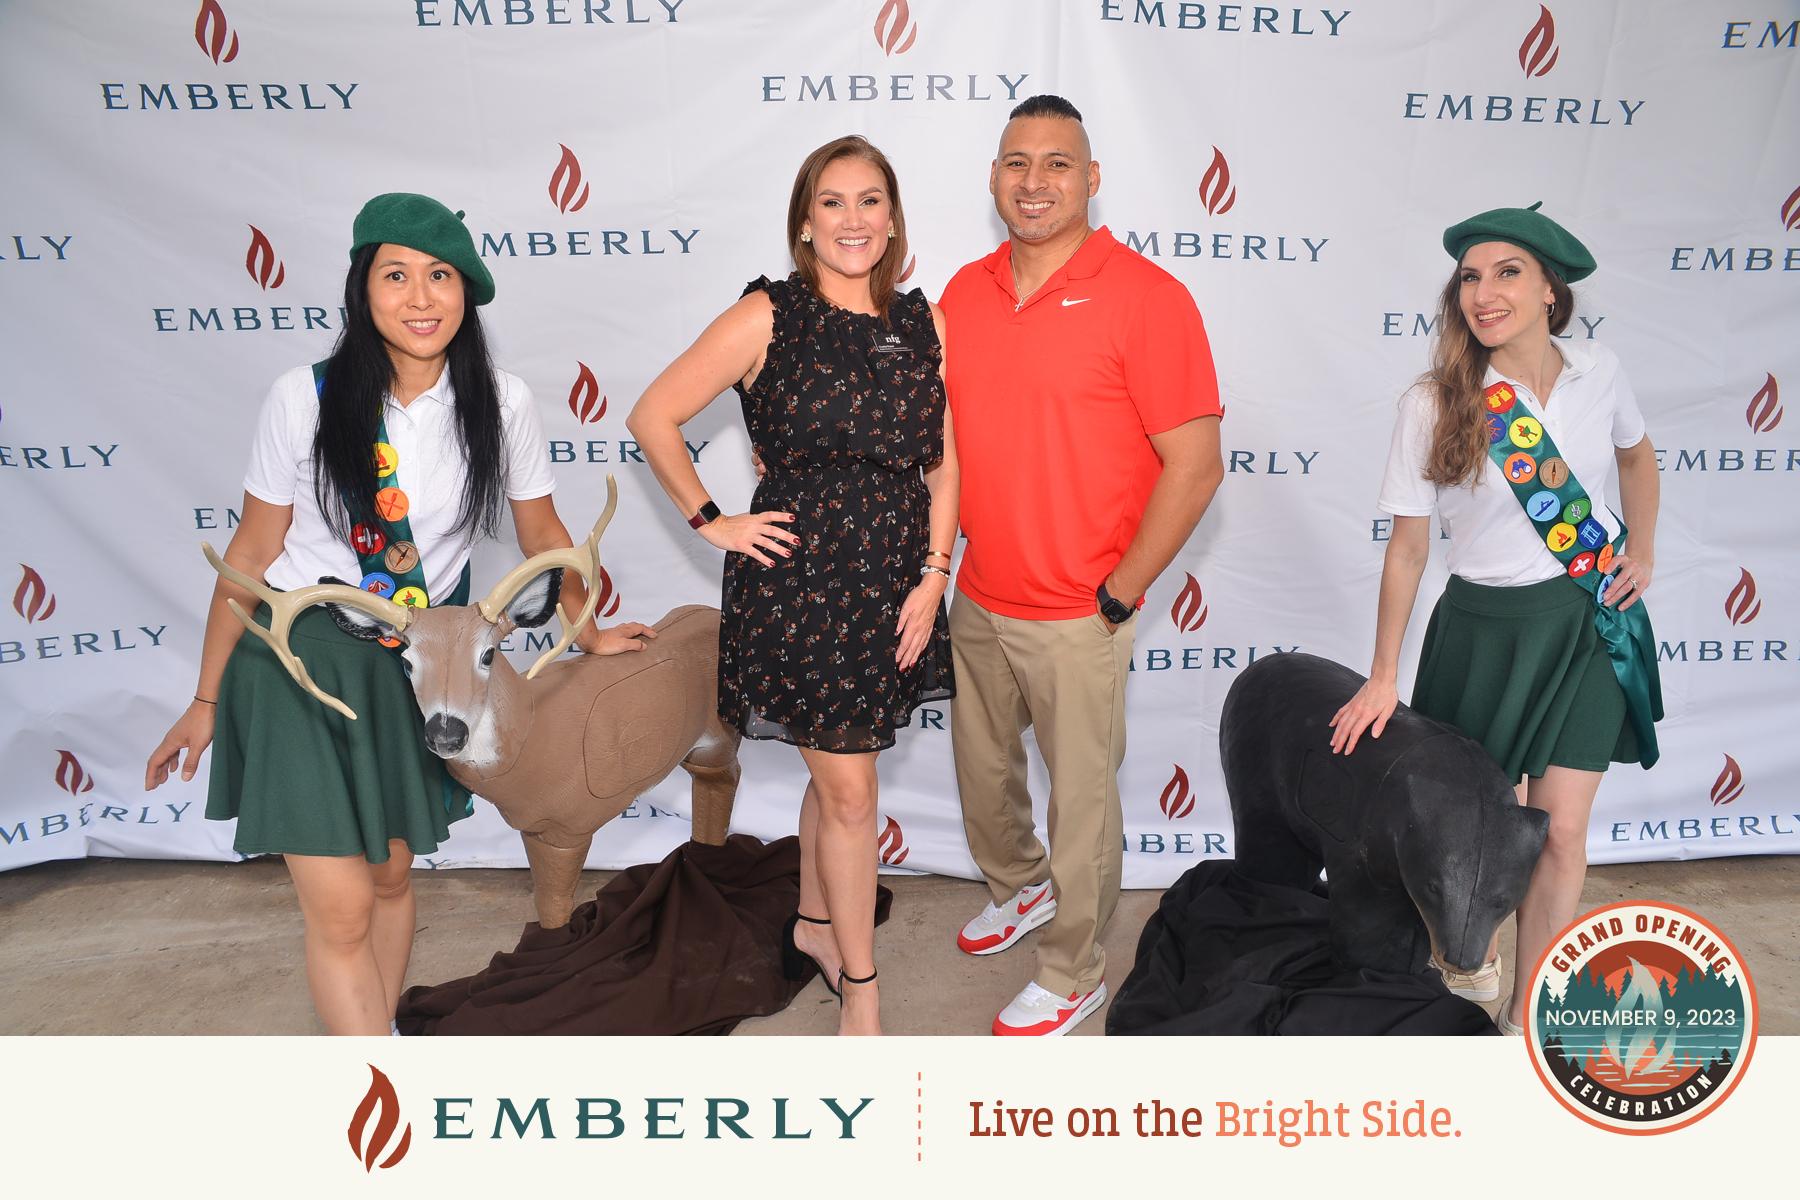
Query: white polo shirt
[(430, 471), (1592, 412)]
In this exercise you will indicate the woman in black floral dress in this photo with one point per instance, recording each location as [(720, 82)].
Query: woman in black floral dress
[(834, 626)]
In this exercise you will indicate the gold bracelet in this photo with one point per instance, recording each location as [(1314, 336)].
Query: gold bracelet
[(937, 554)]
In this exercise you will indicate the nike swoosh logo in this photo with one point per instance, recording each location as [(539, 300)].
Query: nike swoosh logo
[(1083, 300), (1037, 899)]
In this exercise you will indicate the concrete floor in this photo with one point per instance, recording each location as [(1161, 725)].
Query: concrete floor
[(105, 946)]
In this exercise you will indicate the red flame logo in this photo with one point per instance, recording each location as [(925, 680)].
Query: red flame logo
[(585, 399), (1790, 209), (1764, 411), (70, 776), (1730, 783), (32, 599), (1189, 610), (380, 1096), (210, 31), (567, 191), (1742, 606), (892, 844), (1216, 191), (608, 603), (1538, 52), (895, 30), (912, 261), (260, 261), (1177, 799)]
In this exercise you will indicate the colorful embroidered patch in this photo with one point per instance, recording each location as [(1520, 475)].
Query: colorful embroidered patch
[(411, 597), (1542, 506), (367, 539), (1577, 511), (1560, 537), (1553, 472), (1592, 533), (402, 557), (1496, 427), (387, 460), (1520, 468), (1499, 398), (1526, 432), (378, 584), (1604, 560), (391, 504), (1580, 565)]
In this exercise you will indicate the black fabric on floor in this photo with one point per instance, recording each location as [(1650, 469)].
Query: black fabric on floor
[(1224, 954), (691, 944)]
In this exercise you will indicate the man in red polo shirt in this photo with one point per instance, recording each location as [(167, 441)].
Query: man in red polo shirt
[(1087, 424)]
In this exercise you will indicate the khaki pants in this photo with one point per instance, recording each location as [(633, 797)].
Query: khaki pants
[(1065, 679)]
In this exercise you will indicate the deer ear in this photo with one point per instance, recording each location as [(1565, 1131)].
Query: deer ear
[(536, 601), (355, 622)]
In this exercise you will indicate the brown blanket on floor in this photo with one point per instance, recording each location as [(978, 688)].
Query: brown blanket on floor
[(691, 944)]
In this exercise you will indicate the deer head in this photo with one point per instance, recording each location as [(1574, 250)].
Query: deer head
[(463, 685)]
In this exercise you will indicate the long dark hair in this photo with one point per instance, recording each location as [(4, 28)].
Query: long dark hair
[(1459, 363), (358, 376), (886, 275)]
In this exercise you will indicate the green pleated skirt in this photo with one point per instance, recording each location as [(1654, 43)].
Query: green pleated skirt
[(301, 779), (1523, 671)]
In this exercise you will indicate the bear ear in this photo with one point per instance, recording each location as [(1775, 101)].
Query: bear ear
[(1530, 826)]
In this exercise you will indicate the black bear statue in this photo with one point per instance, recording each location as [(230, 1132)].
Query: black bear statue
[(1423, 843)]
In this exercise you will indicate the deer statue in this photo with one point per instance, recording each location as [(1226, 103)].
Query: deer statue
[(564, 748)]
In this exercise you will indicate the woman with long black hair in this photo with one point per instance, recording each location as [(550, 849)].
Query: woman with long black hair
[(1539, 647), (381, 466)]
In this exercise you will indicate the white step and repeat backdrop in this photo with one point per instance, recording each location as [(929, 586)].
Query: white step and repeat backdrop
[(181, 179)]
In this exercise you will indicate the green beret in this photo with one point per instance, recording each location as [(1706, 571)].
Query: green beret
[(421, 223), (1555, 247)]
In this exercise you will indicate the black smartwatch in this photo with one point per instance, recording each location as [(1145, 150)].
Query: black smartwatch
[(1116, 611)]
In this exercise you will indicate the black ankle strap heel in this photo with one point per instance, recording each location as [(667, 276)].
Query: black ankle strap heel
[(794, 960), (843, 979)]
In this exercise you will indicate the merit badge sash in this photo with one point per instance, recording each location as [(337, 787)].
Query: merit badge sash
[(1562, 513), (384, 547), (391, 566)]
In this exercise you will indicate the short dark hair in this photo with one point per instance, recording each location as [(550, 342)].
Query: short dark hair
[(1046, 106)]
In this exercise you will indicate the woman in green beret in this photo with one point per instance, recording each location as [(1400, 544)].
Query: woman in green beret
[(1539, 648), (383, 464)]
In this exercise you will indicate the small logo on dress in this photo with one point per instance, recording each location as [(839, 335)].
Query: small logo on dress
[(383, 1104), (212, 31), (1216, 191), (567, 191), (261, 263), (1538, 52), (1067, 301), (892, 343)]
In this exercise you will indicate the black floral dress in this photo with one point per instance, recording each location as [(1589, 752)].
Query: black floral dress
[(844, 414)]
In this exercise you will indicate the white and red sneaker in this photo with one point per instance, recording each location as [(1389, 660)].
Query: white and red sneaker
[(999, 926), (1038, 1012)]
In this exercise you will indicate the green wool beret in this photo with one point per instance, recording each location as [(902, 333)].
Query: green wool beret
[(1555, 247), (421, 223)]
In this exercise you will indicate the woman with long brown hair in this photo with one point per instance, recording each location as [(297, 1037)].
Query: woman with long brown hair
[(834, 627), (1539, 647)]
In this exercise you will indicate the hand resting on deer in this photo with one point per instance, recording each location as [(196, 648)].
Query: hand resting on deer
[(563, 748)]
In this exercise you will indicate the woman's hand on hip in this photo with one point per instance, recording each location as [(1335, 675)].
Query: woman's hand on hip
[(1630, 580), (918, 614), (756, 534), (193, 732), (1369, 709)]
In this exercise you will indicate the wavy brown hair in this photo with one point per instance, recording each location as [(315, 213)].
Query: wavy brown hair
[(885, 277), (1459, 363)]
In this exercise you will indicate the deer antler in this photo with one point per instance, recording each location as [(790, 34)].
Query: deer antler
[(583, 560), (284, 607)]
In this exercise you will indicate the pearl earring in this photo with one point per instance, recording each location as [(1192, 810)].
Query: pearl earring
[(806, 237)]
